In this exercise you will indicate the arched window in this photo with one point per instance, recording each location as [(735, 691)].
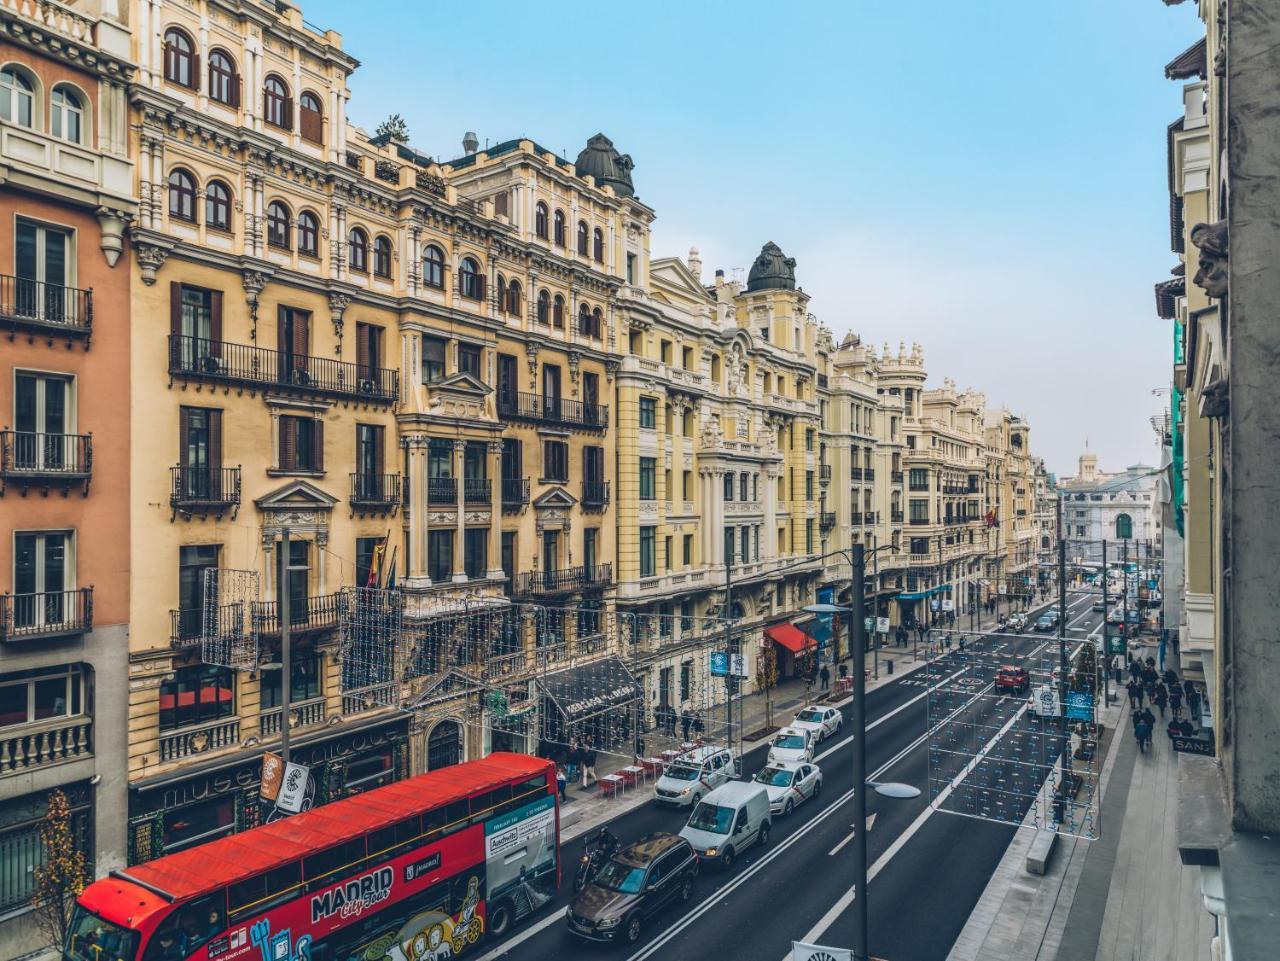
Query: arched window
[(277, 108), (544, 307), (217, 206), (584, 320), (597, 245), (358, 250), (224, 82), (382, 256), (278, 225), (540, 220), (182, 195), (433, 267), (557, 312), (502, 294), (1124, 526), (470, 280), (513, 298), (17, 98), (559, 226), (597, 323), (308, 234), (310, 117), (179, 58), (66, 115), (582, 237)]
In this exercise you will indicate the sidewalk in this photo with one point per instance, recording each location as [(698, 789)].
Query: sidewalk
[(1124, 897)]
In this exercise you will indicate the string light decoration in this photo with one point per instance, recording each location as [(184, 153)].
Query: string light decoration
[(228, 635)]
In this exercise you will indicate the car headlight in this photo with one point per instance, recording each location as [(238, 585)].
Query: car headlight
[(608, 922), (711, 852), (684, 792)]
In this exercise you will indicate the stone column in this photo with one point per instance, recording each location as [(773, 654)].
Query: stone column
[(495, 511), (770, 512), (322, 582), (459, 554), (269, 559), (418, 510)]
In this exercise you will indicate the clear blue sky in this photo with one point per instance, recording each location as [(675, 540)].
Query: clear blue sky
[(985, 178)]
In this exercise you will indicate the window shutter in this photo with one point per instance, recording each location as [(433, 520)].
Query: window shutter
[(288, 443), (215, 439), (287, 108), (175, 307), (184, 435), (195, 71), (362, 348), (235, 90), (317, 443), (462, 289), (480, 286), (215, 322), (378, 463), (301, 338)]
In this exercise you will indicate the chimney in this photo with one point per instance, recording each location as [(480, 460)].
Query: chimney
[(719, 278), (470, 143)]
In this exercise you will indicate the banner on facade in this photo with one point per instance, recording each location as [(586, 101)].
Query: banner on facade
[(882, 625), (293, 788), (1044, 701), (272, 776)]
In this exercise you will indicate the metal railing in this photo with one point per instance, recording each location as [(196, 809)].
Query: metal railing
[(855, 473), (824, 472), (856, 518), (895, 517), (41, 743), (375, 490), (827, 520), (203, 487), (477, 490), (563, 581), (199, 358), (869, 473), (515, 492), (552, 410), (305, 614), (595, 493), (895, 476), (46, 456), (442, 491), (919, 521), (46, 614), (36, 304)]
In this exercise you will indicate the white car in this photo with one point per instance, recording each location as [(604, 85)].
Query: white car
[(792, 744), (789, 784), (822, 721), (693, 775)]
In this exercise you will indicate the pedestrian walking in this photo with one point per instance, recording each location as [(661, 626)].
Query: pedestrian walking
[(1132, 689), (575, 761), (562, 782), (1187, 688), (685, 720), (825, 674), (1161, 699), (588, 766), (1193, 704), (1141, 692), (1175, 701)]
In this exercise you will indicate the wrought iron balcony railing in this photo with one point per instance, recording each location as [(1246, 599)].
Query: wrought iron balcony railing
[(515, 492), (595, 494), (824, 472), (442, 491), (305, 614), (477, 491), (827, 520), (198, 358), (36, 306), (30, 457), (379, 492), (48, 614), (566, 581), (204, 489), (552, 410)]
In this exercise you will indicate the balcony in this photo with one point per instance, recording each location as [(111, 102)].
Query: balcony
[(895, 476), (204, 490), (186, 626), (376, 493), (477, 491), (304, 714), (45, 460), (553, 411), (306, 615), (211, 361), (43, 616), (824, 473), (200, 739), (919, 521), (895, 517), (46, 310), (915, 486), (827, 520), (442, 491), (44, 743), (567, 581), (515, 493), (869, 473), (856, 518), (855, 473), (595, 494)]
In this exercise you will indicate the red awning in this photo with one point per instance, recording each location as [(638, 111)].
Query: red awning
[(791, 637)]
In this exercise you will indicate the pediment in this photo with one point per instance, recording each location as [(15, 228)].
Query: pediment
[(675, 276), (296, 495), (462, 383), (556, 497), (449, 685)]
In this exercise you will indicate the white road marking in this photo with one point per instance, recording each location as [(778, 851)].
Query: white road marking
[(871, 819), (517, 939)]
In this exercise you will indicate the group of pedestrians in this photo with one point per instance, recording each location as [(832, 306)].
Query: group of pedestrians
[(667, 718), (1150, 689), (579, 762)]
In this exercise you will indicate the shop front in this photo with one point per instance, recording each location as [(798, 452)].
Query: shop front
[(597, 704), (794, 649), (172, 812)]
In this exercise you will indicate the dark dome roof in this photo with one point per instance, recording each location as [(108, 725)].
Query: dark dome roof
[(772, 270), (600, 159)]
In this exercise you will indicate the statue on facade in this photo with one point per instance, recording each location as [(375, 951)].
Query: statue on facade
[(1212, 273)]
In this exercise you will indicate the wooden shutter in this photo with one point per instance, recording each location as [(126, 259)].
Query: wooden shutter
[(175, 307), (378, 464), (195, 71), (480, 286), (288, 443), (235, 89), (362, 348), (184, 434), (215, 322), (287, 110), (317, 443), (215, 441)]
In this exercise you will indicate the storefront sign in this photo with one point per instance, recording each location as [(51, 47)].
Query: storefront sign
[(272, 775), (1194, 745)]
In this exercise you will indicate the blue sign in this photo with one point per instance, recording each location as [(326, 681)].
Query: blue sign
[(719, 663), (822, 622), (1153, 584), (1080, 706)]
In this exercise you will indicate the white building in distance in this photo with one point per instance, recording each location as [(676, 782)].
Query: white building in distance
[(1117, 507)]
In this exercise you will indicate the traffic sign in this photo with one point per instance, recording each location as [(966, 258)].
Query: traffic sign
[(882, 625)]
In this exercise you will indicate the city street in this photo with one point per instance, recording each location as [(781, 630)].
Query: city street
[(798, 887)]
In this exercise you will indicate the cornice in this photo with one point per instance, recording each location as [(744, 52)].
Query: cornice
[(61, 47)]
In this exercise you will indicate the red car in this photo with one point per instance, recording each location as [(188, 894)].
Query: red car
[(1012, 678)]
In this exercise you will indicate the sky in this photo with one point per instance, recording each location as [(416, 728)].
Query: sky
[(986, 179)]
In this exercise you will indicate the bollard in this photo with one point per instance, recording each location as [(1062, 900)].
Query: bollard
[(888, 666)]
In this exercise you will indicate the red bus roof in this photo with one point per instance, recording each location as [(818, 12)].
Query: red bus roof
[(216, 864)]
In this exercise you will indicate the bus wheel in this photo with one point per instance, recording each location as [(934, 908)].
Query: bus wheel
[(500, 919)]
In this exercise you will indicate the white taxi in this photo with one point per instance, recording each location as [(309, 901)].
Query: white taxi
[(789, 784)]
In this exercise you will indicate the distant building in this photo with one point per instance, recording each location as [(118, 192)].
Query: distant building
[(1118, 507)]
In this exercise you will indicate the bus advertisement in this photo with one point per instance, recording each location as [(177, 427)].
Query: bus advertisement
[(419, 870)]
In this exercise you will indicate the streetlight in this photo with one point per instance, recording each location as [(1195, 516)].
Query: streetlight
[(855, 613)]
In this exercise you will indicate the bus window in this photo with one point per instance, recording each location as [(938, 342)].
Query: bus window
[(448, 819), (531, 789), (263, 891), (387, 843), (330, 864), (90, 938), (489, 804)]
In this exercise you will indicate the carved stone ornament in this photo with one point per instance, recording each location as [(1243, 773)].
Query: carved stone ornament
[(430, 183), (1215, 399), (254, 281), (150, 259), (113, 224), (1212, 241), (338, 304)]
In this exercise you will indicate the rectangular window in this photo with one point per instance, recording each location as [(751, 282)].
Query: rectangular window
[(195, 695), (648, 413), (648, 536), (555, 460), (919, 545), (369, 351), (664, 351), (304, 666), (745, 537), (668, 552), (440, 555), (42, 573), (590, 546), (730, 543), (631, 268), (44, 413), (52, 693), (808, 434), (475, 552), (742, 486), (808, 535), (192, 564), (756, 538), (433, 350), (728, 487), (686, 616), (808, 485), (469, 360), (688, 550), (301, 444), (366, 561), (919, 511), (686, 680), (687, 485), (918, 479), (648, 470)]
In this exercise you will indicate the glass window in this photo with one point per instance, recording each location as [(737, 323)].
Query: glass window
[(540, 220), (469, 360), (179, 58), (17, 97), (196, 823), (647, 545), (278, 225), (559, 228), (275, 103), (382, 257), (311, 118), (182, 195), (217, 206), (66, 114), (304, 668), (648, 481), (555, 460), (470, 280), (648, 412), (582, 237), (195, 695), (440, 555), (308, 234), (224, 85), (358, 250), (433, 267), (433, 349), (475, 552)]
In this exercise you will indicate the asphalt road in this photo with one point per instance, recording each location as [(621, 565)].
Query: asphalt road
[(928, 865)]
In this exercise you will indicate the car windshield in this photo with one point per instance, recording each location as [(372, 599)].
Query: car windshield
[(617, 876), (90, 938), (789, 741), (774, 777), (814, 717), (682, 772), (1008, 669), (711, 817)]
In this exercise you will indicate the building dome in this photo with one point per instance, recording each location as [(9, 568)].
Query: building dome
[(601, 160), (772, 270)]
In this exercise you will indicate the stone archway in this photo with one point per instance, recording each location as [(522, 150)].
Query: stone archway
[(444, 744)]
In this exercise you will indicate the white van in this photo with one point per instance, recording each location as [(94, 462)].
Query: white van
[(694, 774), (728, 821)]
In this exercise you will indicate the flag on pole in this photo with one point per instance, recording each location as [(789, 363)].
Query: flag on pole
[(375, 564), (391, 571)]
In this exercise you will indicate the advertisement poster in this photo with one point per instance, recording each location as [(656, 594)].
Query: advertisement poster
[(520, 856)]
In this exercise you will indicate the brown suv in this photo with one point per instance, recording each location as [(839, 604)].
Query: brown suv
[(635, 884)]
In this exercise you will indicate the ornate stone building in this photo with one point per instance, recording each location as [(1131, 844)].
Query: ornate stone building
[(67, 196)]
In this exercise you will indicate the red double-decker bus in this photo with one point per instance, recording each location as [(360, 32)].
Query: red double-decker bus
[(419, 870)]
